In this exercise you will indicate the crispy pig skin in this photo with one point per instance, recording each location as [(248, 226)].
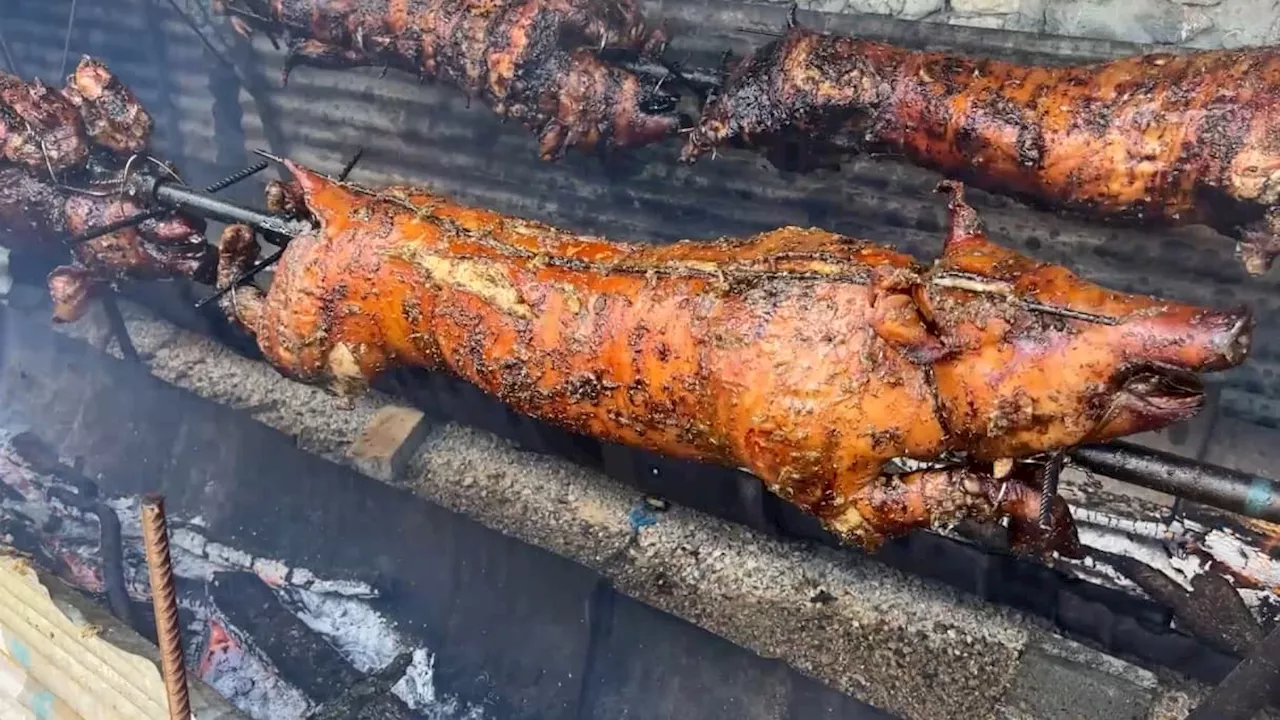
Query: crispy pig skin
[(534, 61), (808, 358), (1155, 140)]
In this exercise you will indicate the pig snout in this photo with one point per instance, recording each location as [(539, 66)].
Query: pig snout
[(1189, 338)]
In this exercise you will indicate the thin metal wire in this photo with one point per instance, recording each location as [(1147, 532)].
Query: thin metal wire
[(191, 23), (66, 42), (8, 58)]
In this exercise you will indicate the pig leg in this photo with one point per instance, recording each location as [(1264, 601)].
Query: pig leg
[(286, 198), (237, 252), (893, 505)]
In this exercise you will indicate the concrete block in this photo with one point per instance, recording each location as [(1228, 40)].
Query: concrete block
[(384, 447), (1060, 679)]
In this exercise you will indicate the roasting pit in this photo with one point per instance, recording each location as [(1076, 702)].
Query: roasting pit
[(304, 584)]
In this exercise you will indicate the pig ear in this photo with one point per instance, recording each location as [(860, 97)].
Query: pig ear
[(964, 227), (896, 320), (324, 198)]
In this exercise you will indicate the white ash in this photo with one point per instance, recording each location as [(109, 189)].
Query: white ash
[(364, 637), (417, 689)]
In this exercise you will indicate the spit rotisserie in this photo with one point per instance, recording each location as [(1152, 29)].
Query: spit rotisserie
[(1156, 140), (808, 358), (536, 61)]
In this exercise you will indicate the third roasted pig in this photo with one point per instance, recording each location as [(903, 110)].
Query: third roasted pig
[(1160, 139)]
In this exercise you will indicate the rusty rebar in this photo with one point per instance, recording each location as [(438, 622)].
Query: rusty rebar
[(164, 600)]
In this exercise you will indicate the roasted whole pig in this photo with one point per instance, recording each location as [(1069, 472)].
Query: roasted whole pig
[(808, 358), (1153, 140), (36, 217), (536, 61)]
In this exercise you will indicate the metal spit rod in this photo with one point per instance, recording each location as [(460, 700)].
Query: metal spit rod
[(276, 230), (1239, 492)]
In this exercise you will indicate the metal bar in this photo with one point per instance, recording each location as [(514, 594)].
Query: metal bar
[(119, 330), (234, 178), (351, 165), (246, 275), (276, 230), (1246, 689), (1232, 490), (139, 218), (120, 224), (164, 600)]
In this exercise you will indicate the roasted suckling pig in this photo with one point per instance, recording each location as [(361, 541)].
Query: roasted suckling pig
[(808, 358), (1159, 139), (63, 155), (536, 61)]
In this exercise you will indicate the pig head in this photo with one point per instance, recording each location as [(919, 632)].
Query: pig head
[(1039, 359)]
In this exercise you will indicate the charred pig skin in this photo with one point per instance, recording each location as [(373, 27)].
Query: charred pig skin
[(114, 119), (39, 127), (534, 61), (1159, 139), (87, 135), (808, 358), (55, 131)]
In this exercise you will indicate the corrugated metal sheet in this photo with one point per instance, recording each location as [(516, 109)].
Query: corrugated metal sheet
[(56, 665)]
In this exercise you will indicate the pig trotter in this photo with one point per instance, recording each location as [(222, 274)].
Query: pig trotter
[(893, 505), (236, 253)]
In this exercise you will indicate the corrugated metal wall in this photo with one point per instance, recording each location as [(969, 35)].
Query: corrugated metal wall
[(209, 114), (56, 665)]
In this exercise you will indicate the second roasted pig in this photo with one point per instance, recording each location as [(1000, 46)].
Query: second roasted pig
[(1159, 139), (808, 358), (535, 61)]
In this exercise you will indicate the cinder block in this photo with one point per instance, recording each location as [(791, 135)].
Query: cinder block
[(388, 442), (1059, 679)]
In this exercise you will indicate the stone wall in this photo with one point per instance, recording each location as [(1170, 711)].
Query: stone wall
[(1190, 23)]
